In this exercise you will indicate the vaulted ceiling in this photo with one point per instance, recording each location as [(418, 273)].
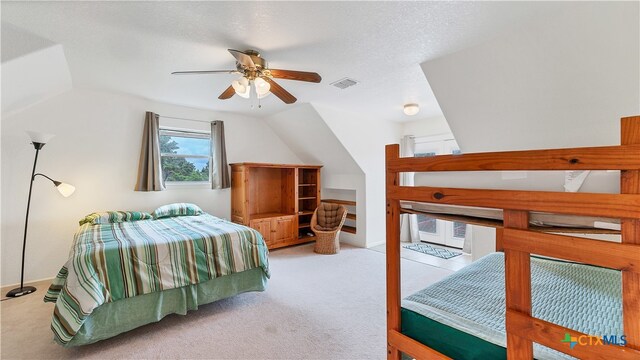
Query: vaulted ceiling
[(132, 47)]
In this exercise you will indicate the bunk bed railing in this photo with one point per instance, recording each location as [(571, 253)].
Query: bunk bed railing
[(621, 157), (518, 242), (586, 204)]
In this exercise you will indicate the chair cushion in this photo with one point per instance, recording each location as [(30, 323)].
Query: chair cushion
[(322, 228), (329, 216)]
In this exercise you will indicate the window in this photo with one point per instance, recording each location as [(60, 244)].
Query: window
[(185, 155), (427, 224), (450, 233)]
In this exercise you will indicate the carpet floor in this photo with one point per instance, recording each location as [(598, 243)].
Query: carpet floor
[(315, 307)]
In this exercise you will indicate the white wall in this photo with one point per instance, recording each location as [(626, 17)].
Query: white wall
[(425, 127), (365, 140), (483, 241), (306, 133), (97, 148), (564, 81)]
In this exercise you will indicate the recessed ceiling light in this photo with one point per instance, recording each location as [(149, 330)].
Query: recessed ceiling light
[(411, 109)]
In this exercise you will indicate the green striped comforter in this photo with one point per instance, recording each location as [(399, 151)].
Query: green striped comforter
[(109, 262)]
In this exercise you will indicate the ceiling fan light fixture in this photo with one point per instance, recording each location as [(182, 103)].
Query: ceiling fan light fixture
[(241, 87), (411, 109), (257, 77), (262, 86)]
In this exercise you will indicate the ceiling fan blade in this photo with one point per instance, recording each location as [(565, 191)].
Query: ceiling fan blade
[(199, 72), (244, 59), (227, 94), (281, 93), (296, 75)]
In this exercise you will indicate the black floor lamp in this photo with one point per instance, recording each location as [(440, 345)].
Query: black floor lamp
[(38, 140)]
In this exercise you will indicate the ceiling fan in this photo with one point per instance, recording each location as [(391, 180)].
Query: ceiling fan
[(255, 71)]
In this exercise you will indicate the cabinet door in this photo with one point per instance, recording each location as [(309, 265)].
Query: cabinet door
[(238, 195), (264, 227), (283, 229)]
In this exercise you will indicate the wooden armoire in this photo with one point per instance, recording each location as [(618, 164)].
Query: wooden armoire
[(278, 200)]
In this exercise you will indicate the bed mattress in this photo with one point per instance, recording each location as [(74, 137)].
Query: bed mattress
[(463, 316)]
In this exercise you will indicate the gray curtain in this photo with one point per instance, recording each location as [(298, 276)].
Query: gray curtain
[(149, 168), (408, 222), (219, 169)]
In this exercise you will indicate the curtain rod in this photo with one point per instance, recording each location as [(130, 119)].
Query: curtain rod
[(177, 118)]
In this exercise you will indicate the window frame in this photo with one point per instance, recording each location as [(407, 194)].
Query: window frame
[(188, 133)]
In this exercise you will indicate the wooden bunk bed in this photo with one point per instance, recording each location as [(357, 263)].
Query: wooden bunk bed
[(518, 241)]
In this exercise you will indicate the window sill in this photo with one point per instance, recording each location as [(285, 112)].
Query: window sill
[(188, 185)]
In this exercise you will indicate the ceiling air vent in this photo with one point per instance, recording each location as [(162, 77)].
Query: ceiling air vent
[(344, 83)]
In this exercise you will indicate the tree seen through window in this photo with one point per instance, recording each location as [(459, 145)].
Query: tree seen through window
[(185, 156)]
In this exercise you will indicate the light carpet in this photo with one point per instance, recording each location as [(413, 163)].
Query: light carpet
[(315, 307)]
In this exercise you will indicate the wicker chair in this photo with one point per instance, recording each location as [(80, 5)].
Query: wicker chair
[(326, 223)]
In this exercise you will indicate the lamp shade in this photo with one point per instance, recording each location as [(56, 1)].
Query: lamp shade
[(262, 87), (38, 137), (242, 87), (65, 189)]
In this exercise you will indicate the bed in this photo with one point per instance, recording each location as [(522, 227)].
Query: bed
[(541, 295), (122, 275), (467, 308)]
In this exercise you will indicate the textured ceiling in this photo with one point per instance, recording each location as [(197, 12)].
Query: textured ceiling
[(132, 47)]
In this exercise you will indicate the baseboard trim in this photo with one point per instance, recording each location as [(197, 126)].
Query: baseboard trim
[(376, 244), (353, 241), (6, 288)]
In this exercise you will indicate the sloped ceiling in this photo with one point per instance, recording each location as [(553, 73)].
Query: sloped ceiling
[(563, 82), (33, 69), (131, 47), (308, 136), (17, 42)]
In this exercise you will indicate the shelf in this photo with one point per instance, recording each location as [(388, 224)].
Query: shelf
[(351, 216), (341, 202), (307, 198), (349, 229), (306, 184), (305, 225), (306, 212)]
